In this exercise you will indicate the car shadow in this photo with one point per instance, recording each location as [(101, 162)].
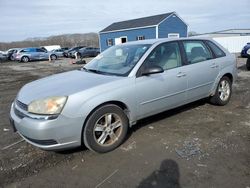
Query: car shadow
[(167, 176), (165, 114)]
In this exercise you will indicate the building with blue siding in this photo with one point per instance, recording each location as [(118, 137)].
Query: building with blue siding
[(152, 27)]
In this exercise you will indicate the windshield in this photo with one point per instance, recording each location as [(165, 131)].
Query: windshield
[(117, 60)]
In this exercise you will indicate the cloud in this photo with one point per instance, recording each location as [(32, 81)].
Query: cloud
[(24, 19)]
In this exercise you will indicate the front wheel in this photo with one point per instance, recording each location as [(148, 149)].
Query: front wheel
[(105, 129), (25, 59), (248, 63), (223, 92), (53, 57)]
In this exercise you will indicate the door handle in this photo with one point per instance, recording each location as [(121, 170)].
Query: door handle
[(214, 65), (181, 74)]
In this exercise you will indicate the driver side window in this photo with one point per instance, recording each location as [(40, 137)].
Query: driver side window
[(166, 55)]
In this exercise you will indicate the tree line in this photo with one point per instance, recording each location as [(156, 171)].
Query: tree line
[(66, 40)]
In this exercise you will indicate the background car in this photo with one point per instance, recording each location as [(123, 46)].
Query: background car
[(10, 53), (58, 52), (88, 52), (244, 51), (3, 56), (69, 52), (248, 63), (29, 54)]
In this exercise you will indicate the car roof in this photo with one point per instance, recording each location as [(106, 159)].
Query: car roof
[(154, 41)]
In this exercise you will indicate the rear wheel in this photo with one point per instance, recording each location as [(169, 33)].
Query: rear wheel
[(105, 129), (248, 63), (53, 57), (223, 92), (12, 58), (25, 59)]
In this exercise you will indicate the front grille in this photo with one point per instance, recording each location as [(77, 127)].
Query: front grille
[(42, 142), (22, 105)]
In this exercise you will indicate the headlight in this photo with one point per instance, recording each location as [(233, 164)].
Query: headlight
[(47, 106)]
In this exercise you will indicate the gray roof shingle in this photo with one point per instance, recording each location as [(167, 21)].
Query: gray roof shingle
[(140, 22)]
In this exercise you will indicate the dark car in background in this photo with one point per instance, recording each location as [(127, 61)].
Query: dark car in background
[(29, 54), (68, 53), (245, 52), (88, 52)]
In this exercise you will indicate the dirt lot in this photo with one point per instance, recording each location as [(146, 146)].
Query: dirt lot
[(198, 145)]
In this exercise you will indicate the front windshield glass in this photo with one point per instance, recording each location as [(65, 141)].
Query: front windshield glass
[(117, 60)]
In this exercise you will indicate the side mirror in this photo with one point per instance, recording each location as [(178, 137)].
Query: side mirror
[(152, 70)]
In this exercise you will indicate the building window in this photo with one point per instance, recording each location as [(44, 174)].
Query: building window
[(110, 42), (140, 38), (173, 35)]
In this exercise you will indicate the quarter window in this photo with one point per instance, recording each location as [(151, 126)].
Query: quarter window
[(165, 55), (196, 51), (217, 51)]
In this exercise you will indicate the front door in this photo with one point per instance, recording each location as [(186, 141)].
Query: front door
[(158, 92)]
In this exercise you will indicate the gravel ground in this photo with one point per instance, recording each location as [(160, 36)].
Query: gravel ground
[(197, 145)]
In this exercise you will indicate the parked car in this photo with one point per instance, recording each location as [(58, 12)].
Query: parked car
[(14, 54), (97, 104), (58, 52), (248, 63), (68, 53), (65, 48), (3, 56), (29, 54), (51, 47), (245, 52), (11, 53), (88, 52)]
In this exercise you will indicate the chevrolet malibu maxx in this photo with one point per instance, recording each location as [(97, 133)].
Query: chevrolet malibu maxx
[(95, 105)]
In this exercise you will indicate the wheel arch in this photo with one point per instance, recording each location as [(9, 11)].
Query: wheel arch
[(227, 74), (120, 104), (230, 76)]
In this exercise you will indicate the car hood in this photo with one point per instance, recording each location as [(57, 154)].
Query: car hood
[(63, 84)]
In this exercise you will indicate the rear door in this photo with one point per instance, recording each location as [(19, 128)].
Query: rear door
[(202, 70), (42, 54)]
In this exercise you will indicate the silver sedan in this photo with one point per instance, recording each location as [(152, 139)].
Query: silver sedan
[(96, 105)]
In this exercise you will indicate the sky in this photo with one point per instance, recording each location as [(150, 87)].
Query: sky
[(22, 19)]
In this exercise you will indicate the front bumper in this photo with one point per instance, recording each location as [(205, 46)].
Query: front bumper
[(60, 133)]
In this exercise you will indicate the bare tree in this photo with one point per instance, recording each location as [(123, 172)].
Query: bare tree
[(67, 40)]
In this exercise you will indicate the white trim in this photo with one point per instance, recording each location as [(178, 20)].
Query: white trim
[(157, 32), (174, 35), (99, 38), (172, 15), (127, 29)]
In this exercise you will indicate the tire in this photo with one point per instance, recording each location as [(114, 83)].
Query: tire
[(25, 59), (248, 63), (223, 92), (103, 132), (53, 57), (12, 58)]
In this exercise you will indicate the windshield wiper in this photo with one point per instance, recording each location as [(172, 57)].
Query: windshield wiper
[(93, 70)]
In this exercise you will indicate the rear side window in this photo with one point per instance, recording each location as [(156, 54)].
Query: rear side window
[(40, 50), (26, 50), (217, 51), (196, 51)]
